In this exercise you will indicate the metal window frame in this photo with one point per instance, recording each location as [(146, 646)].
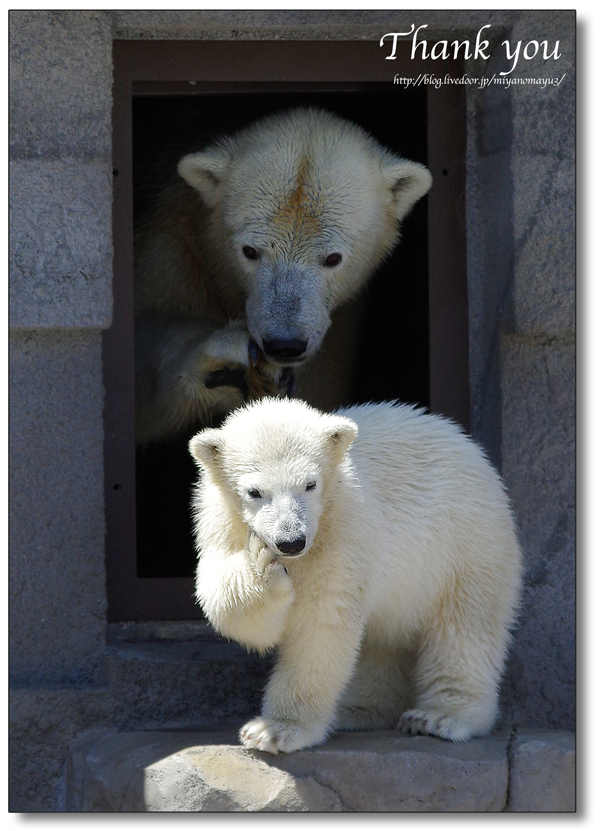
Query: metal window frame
[(171, 67)]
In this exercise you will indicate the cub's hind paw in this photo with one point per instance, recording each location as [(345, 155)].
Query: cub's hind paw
[(416, 722)]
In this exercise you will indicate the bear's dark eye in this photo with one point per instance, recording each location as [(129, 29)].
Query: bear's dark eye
[(250, 253), (311, 486), (254, 494), (333, 260)]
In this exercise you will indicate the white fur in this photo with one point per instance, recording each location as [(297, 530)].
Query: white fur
[(398, 611)]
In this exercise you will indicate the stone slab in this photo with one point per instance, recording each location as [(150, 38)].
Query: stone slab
[(375, 771), (542, 771)]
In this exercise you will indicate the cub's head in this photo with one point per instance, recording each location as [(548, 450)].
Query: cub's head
[(275, 463), (303, 207)]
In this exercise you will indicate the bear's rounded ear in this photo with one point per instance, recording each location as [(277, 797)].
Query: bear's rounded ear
[(204, 171), (341, 432), (408, 182), (206, 447)]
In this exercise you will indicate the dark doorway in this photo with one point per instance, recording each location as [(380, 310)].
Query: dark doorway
[(393, 360)]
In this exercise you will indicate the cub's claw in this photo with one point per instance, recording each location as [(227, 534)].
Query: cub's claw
[(453, 729)]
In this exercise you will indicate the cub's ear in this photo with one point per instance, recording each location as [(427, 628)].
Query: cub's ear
[(206, 447), (408, 182), (340, 433), (204, 171)]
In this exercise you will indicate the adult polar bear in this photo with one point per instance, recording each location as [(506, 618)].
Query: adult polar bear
[(277, 228), (376, 548)]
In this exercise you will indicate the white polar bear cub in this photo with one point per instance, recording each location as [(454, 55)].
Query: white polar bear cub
[(375, 547)]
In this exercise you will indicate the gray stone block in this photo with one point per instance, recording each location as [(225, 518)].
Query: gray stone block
[(380, 771), (60, 84), (43, 723), (538, 453), (544, 265), (259, 24), (543, 171), (57, 576), (321, 24), (384, 771), (184, 685), (542, 771), (60, 244)]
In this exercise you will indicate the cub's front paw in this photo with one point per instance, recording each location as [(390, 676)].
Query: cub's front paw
[(264, 563), (434, 724), (279, 736)]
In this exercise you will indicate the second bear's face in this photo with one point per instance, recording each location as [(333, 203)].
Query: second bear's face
[(303, 207)]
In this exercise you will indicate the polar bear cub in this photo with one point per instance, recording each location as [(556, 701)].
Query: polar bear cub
[(375, 548)]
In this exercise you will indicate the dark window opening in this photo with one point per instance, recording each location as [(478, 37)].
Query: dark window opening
[(393, 355)]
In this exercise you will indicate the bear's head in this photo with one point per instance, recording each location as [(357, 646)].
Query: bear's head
[(303, 206), (275, 462)]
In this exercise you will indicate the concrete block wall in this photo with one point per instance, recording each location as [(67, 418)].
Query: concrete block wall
[(520, 207), (521, 273), (60, 300), (60, 140), (58, 603), (538, 379)]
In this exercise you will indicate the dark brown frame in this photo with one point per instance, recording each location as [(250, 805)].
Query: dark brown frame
[(167, 68)]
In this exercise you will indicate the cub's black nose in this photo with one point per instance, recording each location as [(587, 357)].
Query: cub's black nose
[(293, 547), (282, 348)]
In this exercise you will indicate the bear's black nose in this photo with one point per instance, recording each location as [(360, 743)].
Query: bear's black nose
[(293, 547), (284, 348)]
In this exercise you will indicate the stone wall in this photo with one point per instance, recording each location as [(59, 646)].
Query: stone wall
[(520, 209), (521, 250)]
